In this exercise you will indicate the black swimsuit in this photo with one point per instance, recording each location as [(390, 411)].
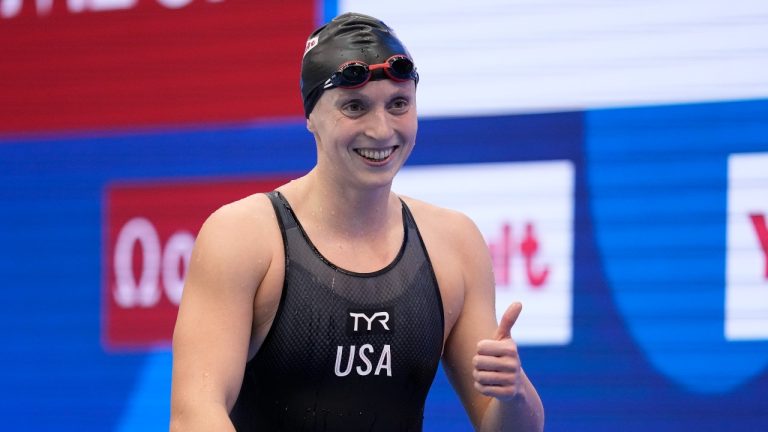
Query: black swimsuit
[(347, 351)]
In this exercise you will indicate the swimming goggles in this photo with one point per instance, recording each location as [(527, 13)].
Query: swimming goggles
[(354, 74)]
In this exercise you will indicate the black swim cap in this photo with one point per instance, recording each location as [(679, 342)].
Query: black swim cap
[(348, 37)]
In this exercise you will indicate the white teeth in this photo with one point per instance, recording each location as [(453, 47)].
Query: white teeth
[(376, 155)]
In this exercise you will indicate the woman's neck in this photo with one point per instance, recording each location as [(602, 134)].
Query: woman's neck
[(346, 211)]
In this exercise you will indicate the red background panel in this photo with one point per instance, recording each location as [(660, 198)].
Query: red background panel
[(230, 61), (170, 208)]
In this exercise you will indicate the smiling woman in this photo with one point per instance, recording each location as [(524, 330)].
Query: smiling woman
[(269, 327)]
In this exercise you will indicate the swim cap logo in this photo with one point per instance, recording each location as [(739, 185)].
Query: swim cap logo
[(311, 43)]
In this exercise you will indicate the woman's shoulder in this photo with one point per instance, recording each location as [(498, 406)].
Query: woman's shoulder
[(434, 213)]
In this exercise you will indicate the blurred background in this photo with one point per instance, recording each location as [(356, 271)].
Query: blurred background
[(613, 153)]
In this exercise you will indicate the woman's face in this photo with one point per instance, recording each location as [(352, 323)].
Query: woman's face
[(365, 135)]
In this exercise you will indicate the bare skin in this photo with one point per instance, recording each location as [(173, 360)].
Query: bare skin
[(345, 204)]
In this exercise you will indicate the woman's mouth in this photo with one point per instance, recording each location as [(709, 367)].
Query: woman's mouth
[(376, 155)]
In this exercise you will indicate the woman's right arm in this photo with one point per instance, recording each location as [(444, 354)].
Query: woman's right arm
[(213, 328)]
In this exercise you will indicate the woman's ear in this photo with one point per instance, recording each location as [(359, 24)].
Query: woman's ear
[(310, 126)]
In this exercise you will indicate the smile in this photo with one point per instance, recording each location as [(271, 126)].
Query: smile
[(375, 155)]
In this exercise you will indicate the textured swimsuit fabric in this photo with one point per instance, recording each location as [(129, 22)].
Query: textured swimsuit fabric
[(347, 351)]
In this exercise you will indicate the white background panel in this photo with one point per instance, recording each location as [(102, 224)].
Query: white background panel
[(492, 57), (504, 200), (746, 294)]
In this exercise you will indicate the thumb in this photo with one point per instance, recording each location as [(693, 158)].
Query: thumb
[(508, 320)]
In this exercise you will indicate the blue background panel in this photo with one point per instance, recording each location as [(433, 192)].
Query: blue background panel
[(658, 186), (646, 351)]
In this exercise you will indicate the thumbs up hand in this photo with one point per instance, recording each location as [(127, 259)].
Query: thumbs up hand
[(497, 370)]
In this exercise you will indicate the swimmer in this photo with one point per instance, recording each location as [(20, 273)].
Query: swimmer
[(328, 303)]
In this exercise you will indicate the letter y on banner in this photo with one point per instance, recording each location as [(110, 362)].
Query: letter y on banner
[(746, 293)]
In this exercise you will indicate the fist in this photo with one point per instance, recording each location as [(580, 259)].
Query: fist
[(497, 371)]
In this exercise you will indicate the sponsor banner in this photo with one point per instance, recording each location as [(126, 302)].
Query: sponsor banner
[(96, 64), (746, 293), (525, 212), (150, 230)]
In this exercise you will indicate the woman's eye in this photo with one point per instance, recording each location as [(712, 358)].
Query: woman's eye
[(353, 107), (399, 105)]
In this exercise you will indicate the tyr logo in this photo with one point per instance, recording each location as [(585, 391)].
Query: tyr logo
[(369, 321)]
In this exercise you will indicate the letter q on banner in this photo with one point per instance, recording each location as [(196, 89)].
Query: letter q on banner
[(150, 232)]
